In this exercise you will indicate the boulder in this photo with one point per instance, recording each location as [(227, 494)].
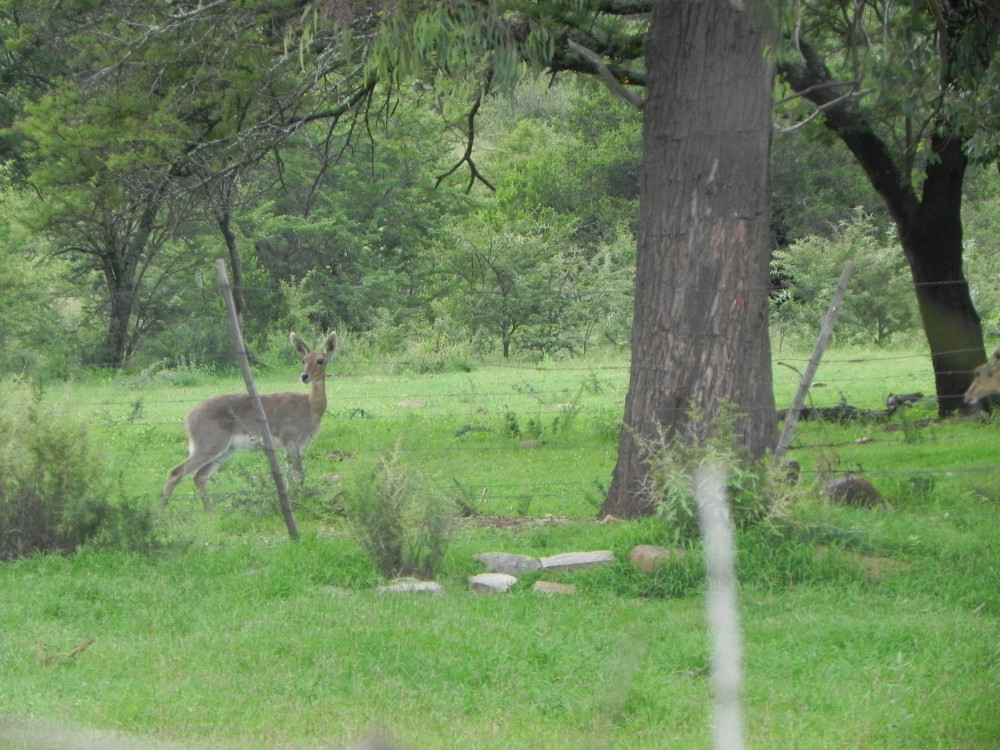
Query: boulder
[(854, 492)]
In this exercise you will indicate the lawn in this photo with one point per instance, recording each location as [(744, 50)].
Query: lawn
[(871, 628)]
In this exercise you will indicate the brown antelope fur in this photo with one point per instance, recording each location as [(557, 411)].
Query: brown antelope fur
[(222, 425), (985, 380)]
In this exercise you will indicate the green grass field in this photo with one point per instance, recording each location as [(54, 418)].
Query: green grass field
[(863, 628)]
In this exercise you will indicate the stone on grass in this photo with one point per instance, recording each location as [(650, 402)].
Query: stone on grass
[(502, 562), (854, 492), (577, 560), (410, 585), (649, 557), (492, 583)]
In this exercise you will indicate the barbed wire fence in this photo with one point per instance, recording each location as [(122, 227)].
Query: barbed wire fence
[(847, 377), (864, 380)]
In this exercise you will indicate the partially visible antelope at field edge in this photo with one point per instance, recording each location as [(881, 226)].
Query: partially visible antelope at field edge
[(985, 380), (220, 426)]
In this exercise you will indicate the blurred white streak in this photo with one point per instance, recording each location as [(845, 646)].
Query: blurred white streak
[(721, 605)]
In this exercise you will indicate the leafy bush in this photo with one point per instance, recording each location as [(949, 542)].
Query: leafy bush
[(758, 493), (53, 491), (401, 532), (880, 304)]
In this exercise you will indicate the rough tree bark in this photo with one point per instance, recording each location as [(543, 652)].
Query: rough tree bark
[(700, 334)]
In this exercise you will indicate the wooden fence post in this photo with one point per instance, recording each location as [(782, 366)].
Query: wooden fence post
[(792, 418), (243, 360)]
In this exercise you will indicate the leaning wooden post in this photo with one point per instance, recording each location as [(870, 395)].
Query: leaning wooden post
[(792, 418), (241, 357)]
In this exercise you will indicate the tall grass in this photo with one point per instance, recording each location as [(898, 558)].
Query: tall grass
[(863, 628)]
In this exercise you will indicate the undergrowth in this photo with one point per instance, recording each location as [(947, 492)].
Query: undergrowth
[(56, 495)]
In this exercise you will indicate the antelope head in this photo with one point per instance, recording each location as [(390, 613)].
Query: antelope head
[(985, 380)]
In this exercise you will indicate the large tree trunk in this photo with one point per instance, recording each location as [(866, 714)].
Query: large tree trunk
[(123, 246), (114, 352), (700, 334)]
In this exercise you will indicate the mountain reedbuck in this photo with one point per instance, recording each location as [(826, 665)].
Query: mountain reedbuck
[(219, 427), (985, 381)]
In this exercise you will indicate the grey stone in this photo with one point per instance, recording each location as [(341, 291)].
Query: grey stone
[(577, 560), (492, 583), (502, 562)]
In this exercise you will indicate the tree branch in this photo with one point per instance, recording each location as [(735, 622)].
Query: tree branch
[(613, 84), (820, 109), (812, 80), (470, 140)]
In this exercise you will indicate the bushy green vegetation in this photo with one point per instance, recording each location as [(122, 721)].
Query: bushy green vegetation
[(56, 493), (403, 529), (881, 305), (864, 628), (760, 492)]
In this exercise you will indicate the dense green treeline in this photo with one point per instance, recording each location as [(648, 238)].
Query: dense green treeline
[(138, 152), (371, 244)]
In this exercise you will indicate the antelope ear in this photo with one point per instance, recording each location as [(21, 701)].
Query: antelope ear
[(299, 344), (993, 364), (332, 341)]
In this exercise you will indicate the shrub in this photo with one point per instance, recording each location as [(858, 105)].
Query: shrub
[(53, 491), (758, 493), (880, 305), (402, 532)]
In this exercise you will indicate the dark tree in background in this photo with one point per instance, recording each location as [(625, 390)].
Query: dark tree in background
[(908, 89)]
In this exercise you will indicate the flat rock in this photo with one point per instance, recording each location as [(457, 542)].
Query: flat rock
[(502, 562), (551, 587), (411, 585), (578, 560), (492, 583)]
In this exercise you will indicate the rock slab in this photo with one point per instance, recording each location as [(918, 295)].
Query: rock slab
[(503, 562), (551, 587), (577, 560)]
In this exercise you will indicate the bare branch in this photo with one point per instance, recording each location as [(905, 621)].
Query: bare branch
[(474, 173), (613, 84), (820, 109)]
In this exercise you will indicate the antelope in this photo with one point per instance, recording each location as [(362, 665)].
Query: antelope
[(221, 426), (985, 380)]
